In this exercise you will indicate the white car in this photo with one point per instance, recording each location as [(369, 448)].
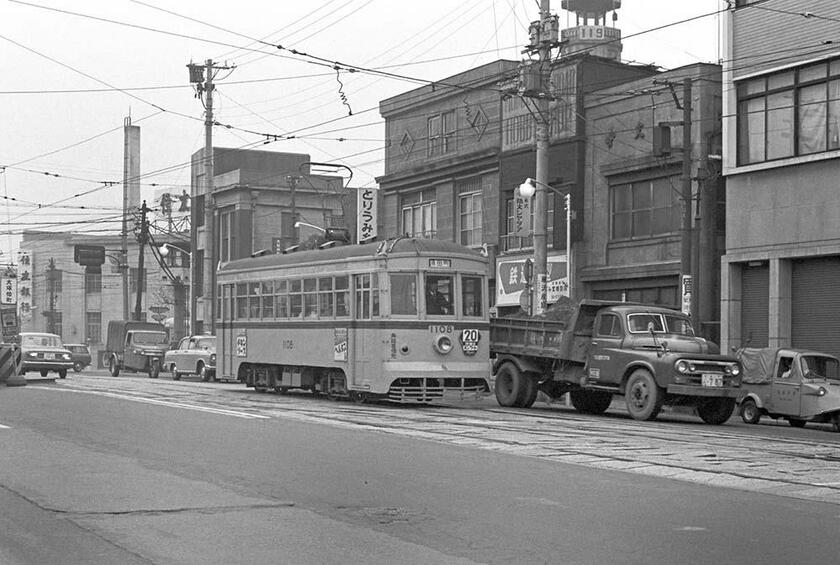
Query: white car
[(44, 352)]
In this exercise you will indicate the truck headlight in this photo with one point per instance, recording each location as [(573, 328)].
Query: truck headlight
[(683, 366), (733, 369)]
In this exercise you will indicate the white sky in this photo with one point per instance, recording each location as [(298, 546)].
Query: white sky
[(429, 39)]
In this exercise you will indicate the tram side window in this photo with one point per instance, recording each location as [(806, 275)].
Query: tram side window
[(241, 301), (367, 295), (471, 296), (404, 294), (295, 299), (254, 300), (342, 296), (310, 298), (439, 295), (325, 297), (267, 298), (281, 299)]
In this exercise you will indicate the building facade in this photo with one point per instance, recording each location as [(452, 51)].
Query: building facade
[(781, 158)]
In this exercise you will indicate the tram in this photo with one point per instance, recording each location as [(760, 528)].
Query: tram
[(402, 320)]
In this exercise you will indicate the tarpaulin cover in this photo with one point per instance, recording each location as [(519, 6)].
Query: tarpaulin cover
[(757, 364)]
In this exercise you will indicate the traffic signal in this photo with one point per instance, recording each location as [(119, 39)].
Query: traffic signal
[(89, 255)]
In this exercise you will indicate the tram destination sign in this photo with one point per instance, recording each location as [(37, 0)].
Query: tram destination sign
[(440, 263)]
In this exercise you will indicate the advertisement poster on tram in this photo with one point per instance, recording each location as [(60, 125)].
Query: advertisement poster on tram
[(510, 279)]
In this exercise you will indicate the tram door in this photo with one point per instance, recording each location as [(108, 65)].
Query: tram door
[(227, 340), (365, 307)]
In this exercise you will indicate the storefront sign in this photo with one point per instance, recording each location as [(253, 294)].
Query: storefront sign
[(511, 280)]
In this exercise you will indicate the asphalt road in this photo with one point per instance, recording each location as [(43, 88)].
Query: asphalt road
[(131, 470)]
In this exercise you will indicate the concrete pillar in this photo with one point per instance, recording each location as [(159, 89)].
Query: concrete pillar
[(779, 332), (730, 305)]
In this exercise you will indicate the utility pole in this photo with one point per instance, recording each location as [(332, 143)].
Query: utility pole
[(51, 278), (687, 290), (202, 77), (142, 239), (543, 35), (293, 180)]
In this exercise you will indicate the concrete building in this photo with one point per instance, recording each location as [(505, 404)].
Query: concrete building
[(781, 85), (257, 198), (633, 199)]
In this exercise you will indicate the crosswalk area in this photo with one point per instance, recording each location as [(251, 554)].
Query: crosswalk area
[(720, 456)]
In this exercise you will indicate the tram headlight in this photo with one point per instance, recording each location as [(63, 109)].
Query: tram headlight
[(443, 344)]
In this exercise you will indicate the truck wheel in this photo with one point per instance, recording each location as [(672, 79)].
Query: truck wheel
[(154, 370), (509, 386), (835, 422), (529, 395), (643, 396), (796, 422), (750, 413), (591, 401), (113, 367), (716, 411)]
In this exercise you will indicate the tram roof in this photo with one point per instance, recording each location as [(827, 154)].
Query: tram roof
[(401, 246)]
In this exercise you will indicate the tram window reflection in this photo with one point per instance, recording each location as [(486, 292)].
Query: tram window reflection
[(439, 295), (281, 299), (342, 296), (404, 293), (471, 296)]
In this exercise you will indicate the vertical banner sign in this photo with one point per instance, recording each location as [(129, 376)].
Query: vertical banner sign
[(8, 284), (24, 286), (340, 352), (685, 293), (366, 226), (521, 214)]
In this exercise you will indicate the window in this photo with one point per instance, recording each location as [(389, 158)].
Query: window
[(281, 299), (295, 299), (789, 113), (471, 296), (469, 214), (367, 296), (254, 300), (93, 283), (609, 326), (267, 299), (342, 296), (93, 327), (404, 294), (442, 134), (510, 242), (310, 298), (638, 323), (439, 295), (241, 301), (326, 306), (54, 321), (227, 236), (419, 214), (645, 209)]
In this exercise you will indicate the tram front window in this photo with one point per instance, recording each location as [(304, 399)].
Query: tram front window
[(439, 295), (404, 294)]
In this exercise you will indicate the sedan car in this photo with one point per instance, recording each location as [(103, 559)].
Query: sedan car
[(44, 352), (195, 355), (81, 355)]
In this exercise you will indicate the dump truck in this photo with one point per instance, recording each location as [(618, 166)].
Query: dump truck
[(596, 349), (135, 346)]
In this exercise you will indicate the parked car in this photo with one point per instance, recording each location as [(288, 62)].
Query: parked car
[(795, 384), (81, 355), (44, 352), (195, 355)]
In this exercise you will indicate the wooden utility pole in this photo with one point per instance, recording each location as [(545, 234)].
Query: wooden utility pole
[(142, 238), (687, 283)]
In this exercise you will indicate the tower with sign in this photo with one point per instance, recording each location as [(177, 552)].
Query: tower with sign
[(591, 33)]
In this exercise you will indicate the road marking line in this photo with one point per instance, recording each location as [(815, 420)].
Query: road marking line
[(5, 427), (169, 403)]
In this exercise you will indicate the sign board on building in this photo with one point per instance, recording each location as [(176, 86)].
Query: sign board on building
[(8, 287), (685, 294), (24, 285), (366, 226), (521, 214), (511, 280)]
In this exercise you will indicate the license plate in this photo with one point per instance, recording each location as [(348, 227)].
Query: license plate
[(49, 356), (711, 380)]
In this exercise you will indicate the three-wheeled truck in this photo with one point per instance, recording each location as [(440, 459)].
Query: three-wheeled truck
[(795, 384), (596, 349), (135, 346)]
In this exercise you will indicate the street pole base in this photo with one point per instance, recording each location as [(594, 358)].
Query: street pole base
[(16, 380)]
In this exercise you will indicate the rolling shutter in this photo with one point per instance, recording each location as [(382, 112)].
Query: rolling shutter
[(755, 305), (815, 304)]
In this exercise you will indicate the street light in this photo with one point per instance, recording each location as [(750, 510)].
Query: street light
[(528, 189), (164, 250)]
